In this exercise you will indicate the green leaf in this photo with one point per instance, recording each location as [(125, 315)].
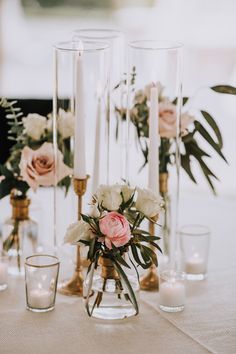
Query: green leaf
[(118, 256), (150, 253), (126, 281), (184, 100), (185, 163), (91, 249), (136, 256), (6, 186), (214, 126), (5, 172), (199, 127), (231, 90)]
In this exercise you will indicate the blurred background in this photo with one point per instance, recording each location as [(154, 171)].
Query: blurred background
[(28, 29)]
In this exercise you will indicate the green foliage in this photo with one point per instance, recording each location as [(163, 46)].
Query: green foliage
[(191, 142), (230, 90), (18, 135)]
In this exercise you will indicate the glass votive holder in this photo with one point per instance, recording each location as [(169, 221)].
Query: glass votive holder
[(41, 276), (4, 262), (172, 291), (195, 241)]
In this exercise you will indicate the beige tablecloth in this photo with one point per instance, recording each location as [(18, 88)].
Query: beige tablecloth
[(207, 325)]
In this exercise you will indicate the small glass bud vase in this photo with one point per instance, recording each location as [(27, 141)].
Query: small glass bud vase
[(106, 295), (19, 235)]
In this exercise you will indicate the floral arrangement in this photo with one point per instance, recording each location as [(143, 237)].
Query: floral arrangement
[(191, 130), (31, 163), (113, 228)]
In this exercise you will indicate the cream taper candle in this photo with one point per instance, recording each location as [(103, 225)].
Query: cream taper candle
[(79, 146), (153, 155)]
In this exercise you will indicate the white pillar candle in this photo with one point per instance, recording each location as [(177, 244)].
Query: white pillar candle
[(153, 155), (172, 293), (79, 146), (97, 148), (3, 273), (40, 298), (195, 265)]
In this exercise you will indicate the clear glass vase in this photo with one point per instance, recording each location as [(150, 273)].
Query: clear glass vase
[(106, 294), (117, 96), (20, 235), (154, 79)]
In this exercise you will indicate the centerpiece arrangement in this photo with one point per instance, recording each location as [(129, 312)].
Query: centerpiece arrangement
[(193, 133), (116, 243), (31, 164)]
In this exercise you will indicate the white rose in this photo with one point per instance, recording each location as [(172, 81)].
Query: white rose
[(109, 197), (66, 123), (78, 231), (126, 192), (148, 203), (34, 125), (94, 212)]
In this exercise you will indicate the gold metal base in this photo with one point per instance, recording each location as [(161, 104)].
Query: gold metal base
[(72, 287), (150, 281)]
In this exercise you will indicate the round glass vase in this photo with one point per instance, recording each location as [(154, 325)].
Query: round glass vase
[(20, 235), (106, 294)]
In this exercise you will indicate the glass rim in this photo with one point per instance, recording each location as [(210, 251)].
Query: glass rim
[(188, 230), (167, 273), (155, 45), (68, 46), (109, 33), (43, 265)]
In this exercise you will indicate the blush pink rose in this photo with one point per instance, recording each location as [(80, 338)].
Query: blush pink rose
[(167, 120), (37, 167), (115, 228)]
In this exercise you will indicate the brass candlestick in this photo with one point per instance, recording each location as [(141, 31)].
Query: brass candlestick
[(150, 281), (75, 285)]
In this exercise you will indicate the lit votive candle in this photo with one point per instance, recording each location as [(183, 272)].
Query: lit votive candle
[(172, 291), (3, 275), (195, 265), (40, 298)]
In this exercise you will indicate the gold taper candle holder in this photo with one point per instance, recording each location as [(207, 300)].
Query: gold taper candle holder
[(75, 285), (150, 281)]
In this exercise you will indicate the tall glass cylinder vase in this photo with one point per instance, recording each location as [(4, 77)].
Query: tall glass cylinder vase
[(118, 97), (154, 105), (80, 106)]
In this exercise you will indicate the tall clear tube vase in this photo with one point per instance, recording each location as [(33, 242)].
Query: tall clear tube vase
[(154, 90), (81, 90), (118, 97)]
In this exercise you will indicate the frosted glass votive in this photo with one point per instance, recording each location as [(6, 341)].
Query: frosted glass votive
[(195, 240), (172, 291), (41, 275)]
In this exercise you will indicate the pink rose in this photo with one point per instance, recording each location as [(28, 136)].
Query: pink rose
[(2, 178), (37, 167), (167, 120), (115, 228)]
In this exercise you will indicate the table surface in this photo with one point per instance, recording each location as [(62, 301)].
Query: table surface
[(207, 325)]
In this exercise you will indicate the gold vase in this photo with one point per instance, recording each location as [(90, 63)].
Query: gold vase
[(19, 235)]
